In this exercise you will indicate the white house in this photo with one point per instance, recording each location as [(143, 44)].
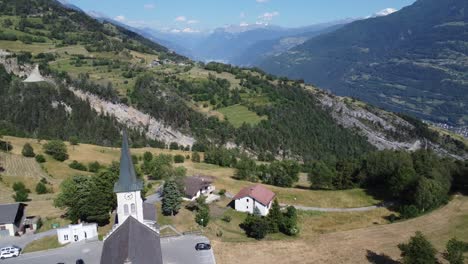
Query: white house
[(196, 186), (75, 233), (254, 196), (11, 219)]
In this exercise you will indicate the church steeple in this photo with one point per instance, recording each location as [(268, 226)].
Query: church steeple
[(128, 181)]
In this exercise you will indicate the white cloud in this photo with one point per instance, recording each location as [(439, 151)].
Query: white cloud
[(190, 30), (262, 1), (268, 16), (120, 18), (244, 24), (193, 21), (385, 12), (180, 19), (149, 6)]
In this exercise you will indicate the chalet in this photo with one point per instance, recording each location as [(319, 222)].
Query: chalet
[(196, 186), (256, 196), (11, 219)]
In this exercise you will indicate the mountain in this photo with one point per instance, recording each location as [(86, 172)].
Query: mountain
[(118, 78), (257, 52), (235, 43), (413, 61)]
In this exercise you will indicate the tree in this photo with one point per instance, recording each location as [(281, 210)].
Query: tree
[(289, 224), (429, 194), (147, 156), (321, 176), (179, 158), (255, 226), (40, 158), (41, 188), (172, 198), (418, 251), (246, 169), (196, 157), (275, 217), (77, 166), (57, 149), (283, 173), (203, 212), (28, 151), (454, 253), (94, 166), (74, 141), (21, 192)]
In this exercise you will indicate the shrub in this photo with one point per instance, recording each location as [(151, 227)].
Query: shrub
[(418, 250), (179, 159), (77, 166), (41, 188), (196, 157), (222, 192), (28, 151), (94, 166), (227, 218), (255, 226), (57, 149), (21, 193), (74, 141), (40, 158)]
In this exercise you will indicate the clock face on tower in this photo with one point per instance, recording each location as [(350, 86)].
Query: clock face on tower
[(128, 196)]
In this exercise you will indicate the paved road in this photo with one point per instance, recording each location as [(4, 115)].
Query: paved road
[(90, 252), (155, 197), (24, 240), (181, 250)]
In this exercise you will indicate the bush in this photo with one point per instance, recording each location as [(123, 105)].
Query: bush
[(418, 250), (227, 218), (74, 141), (222, 192), (196, 157), (28, 151), (77, 166), (40, 158), (179, 159), (94, 166), (454, 253), (57, 149), (41, 188), (21, 193), (255, 226)]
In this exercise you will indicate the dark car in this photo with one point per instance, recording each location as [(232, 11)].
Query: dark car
[(203, 246), (80, 261)]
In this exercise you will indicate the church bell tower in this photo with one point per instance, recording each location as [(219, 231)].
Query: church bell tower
[(128, 187)]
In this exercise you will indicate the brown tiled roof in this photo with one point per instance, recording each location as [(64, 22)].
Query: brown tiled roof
[(193, 184), (257, 192)]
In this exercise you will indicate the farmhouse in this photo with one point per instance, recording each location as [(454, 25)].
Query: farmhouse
[(76, 233), (256, 196), (11, 218), (196, 185)]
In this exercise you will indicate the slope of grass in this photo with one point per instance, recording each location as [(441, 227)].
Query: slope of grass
[(239, 114), (45, 243)]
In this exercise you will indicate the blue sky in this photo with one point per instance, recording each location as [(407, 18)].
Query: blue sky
[(203, 15)]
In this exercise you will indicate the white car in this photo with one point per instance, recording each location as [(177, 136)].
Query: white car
[(9, 254), (10, 248)]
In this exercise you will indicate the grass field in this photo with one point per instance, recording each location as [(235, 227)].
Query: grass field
[(49, 242), (362, 245), (239, 114)]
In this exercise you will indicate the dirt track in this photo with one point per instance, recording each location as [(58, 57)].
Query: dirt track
[(349, 246)]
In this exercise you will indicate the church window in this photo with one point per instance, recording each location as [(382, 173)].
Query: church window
[(126, 209), (132, 208), (65, 237)]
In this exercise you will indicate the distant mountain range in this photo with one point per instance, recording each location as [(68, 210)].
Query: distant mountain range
[(413, 61)]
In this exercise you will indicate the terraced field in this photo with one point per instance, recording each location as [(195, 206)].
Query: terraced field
[(20, 167)]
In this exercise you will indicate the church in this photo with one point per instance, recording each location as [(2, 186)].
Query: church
[(135, 236)]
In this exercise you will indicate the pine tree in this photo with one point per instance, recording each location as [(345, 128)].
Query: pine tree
[(28, 151), (454, 254), (418, 251), (275, 217), (172, 198)]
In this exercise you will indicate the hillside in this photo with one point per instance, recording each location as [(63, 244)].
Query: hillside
[(412, 61), (101, 77)]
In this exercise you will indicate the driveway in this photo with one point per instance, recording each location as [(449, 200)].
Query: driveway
[(90, 252), (155, 197), (22, 241), (181, 250)]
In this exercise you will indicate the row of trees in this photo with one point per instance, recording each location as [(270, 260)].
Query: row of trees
[(419, 181), (257, 226)]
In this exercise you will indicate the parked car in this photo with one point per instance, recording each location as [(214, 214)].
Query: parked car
[(203, 246), (11, 248), (9, 254)]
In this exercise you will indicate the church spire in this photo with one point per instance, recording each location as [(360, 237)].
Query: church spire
[(128, 181)]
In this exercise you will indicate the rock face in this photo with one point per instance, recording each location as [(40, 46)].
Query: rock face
[(34, 76), (134, 118), (11, 65)]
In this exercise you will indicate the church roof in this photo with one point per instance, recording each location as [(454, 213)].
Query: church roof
[(128, 181), (132, 242)]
